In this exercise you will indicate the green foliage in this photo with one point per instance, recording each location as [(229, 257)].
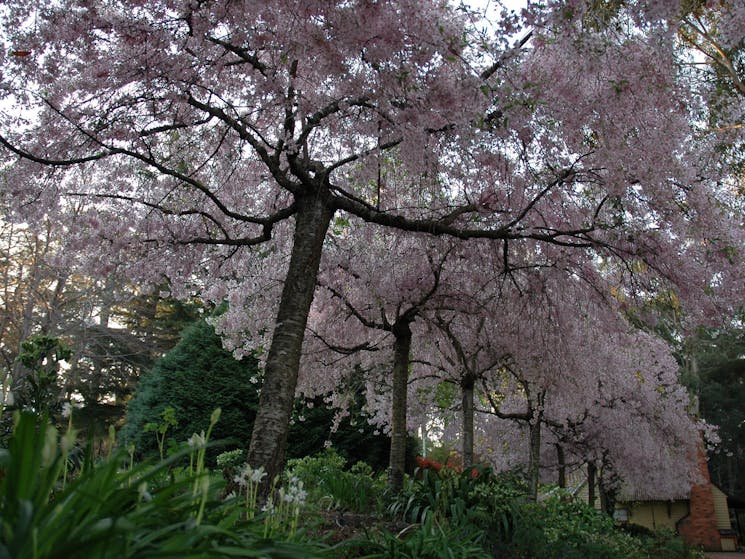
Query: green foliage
[(563, 528), (199, 374), (476, 496), (231, 458), (192, 379), (167, 419), (569, 528), (432, 539), (39, 390), (721, 395), (330, 485), (354, 439), (496, 514), (107, 512), (720, 385), (665, 544)]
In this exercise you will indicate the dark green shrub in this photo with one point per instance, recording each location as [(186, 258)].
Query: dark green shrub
[(665, 544), (198, 375), (194, 378)]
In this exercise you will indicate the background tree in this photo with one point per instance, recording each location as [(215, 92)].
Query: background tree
[(720, 387), (111, 333)]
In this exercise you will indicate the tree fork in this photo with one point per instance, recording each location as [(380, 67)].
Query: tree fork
[(269, 436)]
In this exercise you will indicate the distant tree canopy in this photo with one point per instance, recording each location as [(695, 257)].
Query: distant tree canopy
[(722, 396), (199, 375), (721, 389)]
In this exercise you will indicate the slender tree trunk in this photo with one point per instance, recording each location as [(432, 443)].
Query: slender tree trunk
[(561, 459), (467, 411), (592, 471), (269, 437), (401, 352), (607, 500), (534, 459), (607, 488)]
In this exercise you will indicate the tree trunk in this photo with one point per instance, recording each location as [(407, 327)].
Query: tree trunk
[(561, 459), (467, 411), (269, 437), (608, 483), (534, 459), (592, 471), (401, 351)]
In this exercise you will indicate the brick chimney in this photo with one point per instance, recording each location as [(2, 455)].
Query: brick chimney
[(699, 528)]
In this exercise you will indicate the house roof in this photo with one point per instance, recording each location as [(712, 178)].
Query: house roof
[(628, 494)]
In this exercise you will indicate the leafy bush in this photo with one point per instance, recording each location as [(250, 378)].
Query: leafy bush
[(330, 485), (515, 527), (193, 378), (665, 544), (563, 528), (432, 539), (476, 496)]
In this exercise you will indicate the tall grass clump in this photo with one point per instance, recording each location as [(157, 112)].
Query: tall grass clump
[(112, 509)]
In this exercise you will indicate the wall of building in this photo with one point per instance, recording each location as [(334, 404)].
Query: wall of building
[(656, 515)]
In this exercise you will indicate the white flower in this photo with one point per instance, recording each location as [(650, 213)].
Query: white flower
[(240, 480), (7, 399), (66, 409), (143, 492), (300, 496), (197, 441), (248, 474), (257, 475)]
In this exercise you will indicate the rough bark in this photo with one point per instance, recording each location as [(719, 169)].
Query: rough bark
[(608, 490), (269, 437), (402, 350), (534, 459), (591, 483), (561, 459), (467, 411)]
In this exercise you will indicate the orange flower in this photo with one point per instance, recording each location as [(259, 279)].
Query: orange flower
[(428, 464)]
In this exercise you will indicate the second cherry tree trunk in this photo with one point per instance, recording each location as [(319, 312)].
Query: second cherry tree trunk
[(467, 416), (534, 460), (400, 384)]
